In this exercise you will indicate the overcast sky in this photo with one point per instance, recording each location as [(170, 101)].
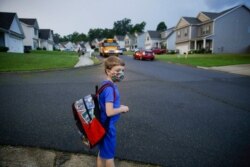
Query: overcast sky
[(65, 17)]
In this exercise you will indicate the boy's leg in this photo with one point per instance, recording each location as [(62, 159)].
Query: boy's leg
[(105, 162), (110, 163), (100, 161)]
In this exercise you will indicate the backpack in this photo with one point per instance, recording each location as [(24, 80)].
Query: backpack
[(87, 113)]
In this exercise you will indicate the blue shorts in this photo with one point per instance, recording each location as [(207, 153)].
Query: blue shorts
[(108, 144)]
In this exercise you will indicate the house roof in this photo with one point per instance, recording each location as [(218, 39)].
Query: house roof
[(213, 15), (192, 20), (30, 22), (154, 34), (6, 20), (44, 33)]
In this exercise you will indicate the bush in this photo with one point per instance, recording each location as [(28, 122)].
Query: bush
[(44, 48), (3, 49), (27, 49), (38, 48)]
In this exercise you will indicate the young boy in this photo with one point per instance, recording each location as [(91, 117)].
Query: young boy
[(110, 107)]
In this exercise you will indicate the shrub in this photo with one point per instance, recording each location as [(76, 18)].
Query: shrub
[(3, 49), (38, 48), (44, 48), (27, 49)]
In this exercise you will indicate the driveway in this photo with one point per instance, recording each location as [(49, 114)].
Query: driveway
[(242, 69), (180, 116)]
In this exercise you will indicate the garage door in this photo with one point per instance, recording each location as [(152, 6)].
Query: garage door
[(183, 47)]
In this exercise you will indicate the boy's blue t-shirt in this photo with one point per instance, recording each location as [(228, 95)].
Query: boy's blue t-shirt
[(107, 95)]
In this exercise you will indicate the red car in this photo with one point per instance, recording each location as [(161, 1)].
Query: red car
[(144, 55), (158, 51)]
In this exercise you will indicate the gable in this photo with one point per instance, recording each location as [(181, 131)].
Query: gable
[(15, 26), (182, 23), (202, 17)]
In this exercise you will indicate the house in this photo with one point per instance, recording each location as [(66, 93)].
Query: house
[(120, 40), (95, 42), (224, 32), (152, 40), (46, 39), (80, 46), (31, 31), (168, 39), (11, 32), (130, 41), (67, 46), (141, 38)]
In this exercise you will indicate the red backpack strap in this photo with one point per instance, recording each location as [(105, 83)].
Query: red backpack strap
[(99, 91)]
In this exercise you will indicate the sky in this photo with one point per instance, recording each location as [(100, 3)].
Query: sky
[(66, 17)]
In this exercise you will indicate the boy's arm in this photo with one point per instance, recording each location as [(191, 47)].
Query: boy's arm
[(111, 111)]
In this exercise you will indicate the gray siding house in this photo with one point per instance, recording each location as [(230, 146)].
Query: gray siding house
[(224, 32)]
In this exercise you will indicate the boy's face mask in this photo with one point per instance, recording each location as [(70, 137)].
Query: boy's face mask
[(118, 76)]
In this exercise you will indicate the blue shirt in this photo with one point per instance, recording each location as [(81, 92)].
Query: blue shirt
[(107, 95)]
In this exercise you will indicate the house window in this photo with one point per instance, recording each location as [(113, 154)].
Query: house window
[(186, 32), (207, 29), (147, 38), (179, 34)]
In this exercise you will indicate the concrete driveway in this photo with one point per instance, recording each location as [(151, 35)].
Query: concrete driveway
[(242, 69)]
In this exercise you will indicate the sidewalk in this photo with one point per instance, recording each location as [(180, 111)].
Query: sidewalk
[(84, 60), (243, 69), (35, 157)]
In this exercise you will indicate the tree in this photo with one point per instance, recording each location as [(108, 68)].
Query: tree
[(121, 27), (161, 26), (138, 27), (56, 38)]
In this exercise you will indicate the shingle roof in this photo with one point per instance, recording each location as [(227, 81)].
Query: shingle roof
[(192, 20), (6, 20), (213, 15), (30, 22), (44, 33), (154, 34)]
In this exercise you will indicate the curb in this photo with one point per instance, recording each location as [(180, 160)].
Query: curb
[(36, 157)]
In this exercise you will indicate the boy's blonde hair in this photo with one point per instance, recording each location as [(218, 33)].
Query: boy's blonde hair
[(113, 61)]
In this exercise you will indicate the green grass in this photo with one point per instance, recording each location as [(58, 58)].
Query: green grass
[(206, 60), (37, 60), (128, 53)]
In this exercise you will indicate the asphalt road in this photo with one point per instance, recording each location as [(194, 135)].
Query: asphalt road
[(179, 115)]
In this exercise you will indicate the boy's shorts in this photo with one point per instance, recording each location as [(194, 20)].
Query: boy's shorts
[(107, 145)]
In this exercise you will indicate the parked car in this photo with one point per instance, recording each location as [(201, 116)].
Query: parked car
[(144, 55), (159, 50)]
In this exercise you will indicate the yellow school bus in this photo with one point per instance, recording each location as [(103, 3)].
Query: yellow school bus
[(109, 47)]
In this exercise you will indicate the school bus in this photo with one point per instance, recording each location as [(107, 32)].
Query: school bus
[(109, 47)]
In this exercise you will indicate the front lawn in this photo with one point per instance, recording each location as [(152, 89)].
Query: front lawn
[(37, 60), (206, 60)]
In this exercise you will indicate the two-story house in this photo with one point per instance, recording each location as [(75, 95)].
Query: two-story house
[(31, 31), (46, 39), (11, 32), (152, 39), (224, 32), (168, 39), (130, 40)]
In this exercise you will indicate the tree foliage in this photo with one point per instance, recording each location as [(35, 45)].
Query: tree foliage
[(161, 26), (120, 27)]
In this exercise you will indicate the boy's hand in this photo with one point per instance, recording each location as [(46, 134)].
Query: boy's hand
[(124, 108)]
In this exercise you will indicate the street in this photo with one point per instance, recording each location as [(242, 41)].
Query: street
[(179, 115)]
